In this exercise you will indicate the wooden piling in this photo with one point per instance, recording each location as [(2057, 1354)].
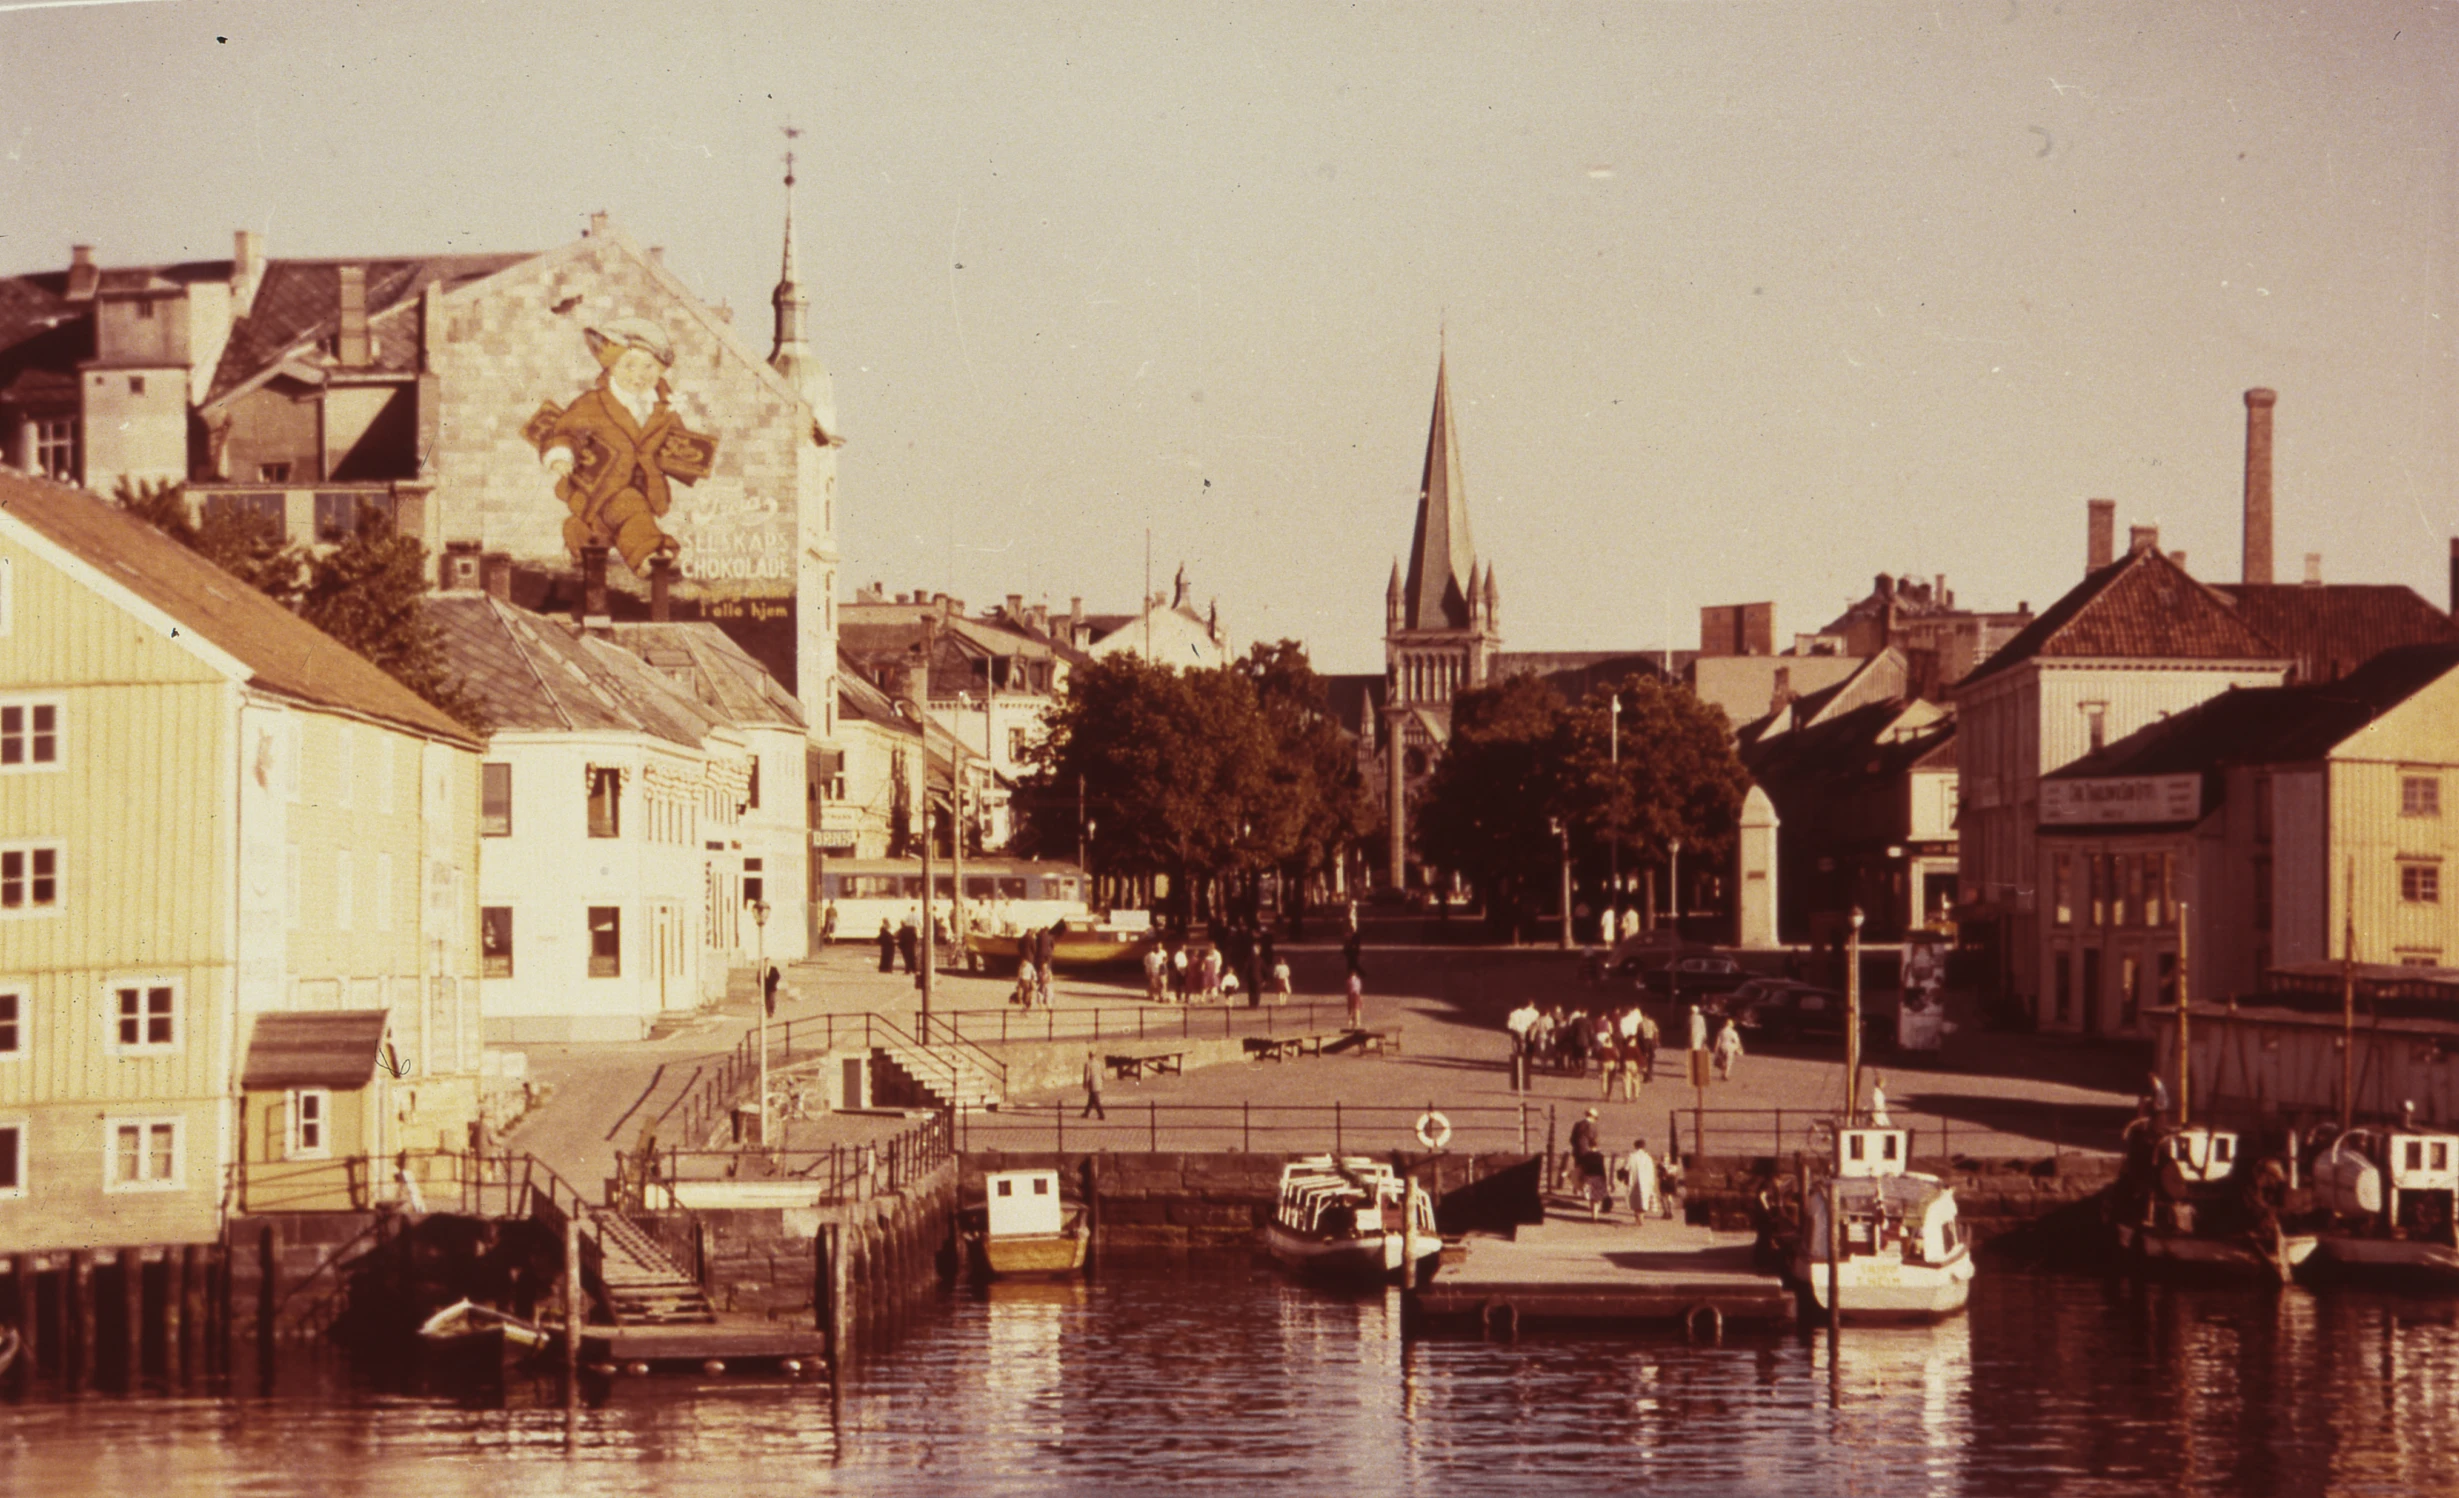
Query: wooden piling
[(268, 1291), (132, 1329), (79, 1320), (572, 1297), (191, 1307)]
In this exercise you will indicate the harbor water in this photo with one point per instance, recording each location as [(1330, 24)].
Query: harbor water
[(1224, 1378)]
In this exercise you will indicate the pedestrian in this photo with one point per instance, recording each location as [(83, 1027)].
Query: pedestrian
[(1588, 1162), (1353, 952), (1092, 1089), (1025, 983), (1699, 1029), (1155, 965), (1632, 1060), (1178, 971), (1582, 1038), (1609, 1058), (887, 947), (828, 923), (909, 945), (1650, 1037), (1280, 980), (1878, 1101), (1630, 922), (1728, 1051), (769, 978), (1639, 1177), (1357, 1002)]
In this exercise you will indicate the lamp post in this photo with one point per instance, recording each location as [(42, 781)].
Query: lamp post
[(1852, 1018), (956, 918), (759, 921), (1564, 833), (1673, 877), (1613, 808)]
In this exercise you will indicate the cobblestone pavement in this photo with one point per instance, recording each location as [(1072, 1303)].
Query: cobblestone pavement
[(1985, 1094)]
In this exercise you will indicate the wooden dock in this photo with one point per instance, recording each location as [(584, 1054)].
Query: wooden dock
[(726, 1339), (1569, 1270)]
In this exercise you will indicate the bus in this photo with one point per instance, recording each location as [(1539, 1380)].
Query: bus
[(1011, 894)]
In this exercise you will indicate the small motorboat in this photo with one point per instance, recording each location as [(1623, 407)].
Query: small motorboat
[(476, 1338), (2391, 1195), (1027, 1230), (1082, 942), (2189, 1199), (1349, 1218), (1904, 1255)]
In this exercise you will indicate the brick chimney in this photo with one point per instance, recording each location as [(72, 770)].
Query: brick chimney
[(2100, 535), (350, 341), (247, 269), (2313, 569), (592, 613), (2141, 538), (661, 591), (495, 575), (2258, 484)]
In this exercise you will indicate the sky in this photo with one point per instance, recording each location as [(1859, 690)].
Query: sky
[(1740, 301)]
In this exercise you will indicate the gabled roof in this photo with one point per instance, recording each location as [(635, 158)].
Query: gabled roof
[(1441, 555), (862, 702), (298, 305), (703, 661), (325, 1048), (2270, 725), (2144, 607), (533, 674), (2333, 628), (279, 652)]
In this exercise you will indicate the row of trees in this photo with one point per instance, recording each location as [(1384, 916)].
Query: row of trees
[(1199, 775), (1525, 769), (366, 592)]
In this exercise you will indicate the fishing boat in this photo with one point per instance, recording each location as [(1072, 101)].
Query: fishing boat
[(1349, 1218), (2190, 1199), (475, 1338), (1082, 942), (1901, 1254), (2391, 1193), (1026, 1229)]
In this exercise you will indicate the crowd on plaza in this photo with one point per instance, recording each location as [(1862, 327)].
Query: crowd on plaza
[(1621, 1042)]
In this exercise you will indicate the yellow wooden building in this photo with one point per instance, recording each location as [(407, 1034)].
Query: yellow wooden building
[(209, 812)]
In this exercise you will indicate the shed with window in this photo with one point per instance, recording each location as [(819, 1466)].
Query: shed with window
[(314, 1096)]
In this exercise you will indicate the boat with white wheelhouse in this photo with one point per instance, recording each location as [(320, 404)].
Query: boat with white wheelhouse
[(1027, 1230), (1903, 1252), (2391, 1193), (2189, 1198), (1349, 1217)]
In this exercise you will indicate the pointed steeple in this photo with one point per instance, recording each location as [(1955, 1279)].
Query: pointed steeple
[(791, 355), (1494, 599), (1440, 553)]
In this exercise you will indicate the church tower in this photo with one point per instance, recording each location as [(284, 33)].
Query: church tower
[(815, 642), (1441, 634)]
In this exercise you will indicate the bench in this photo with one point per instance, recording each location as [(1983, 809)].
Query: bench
[(1156, 1063), (1372, 1042), (1282, 1047)]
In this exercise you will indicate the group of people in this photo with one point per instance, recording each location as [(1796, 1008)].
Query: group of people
[(1242, 960), (1623, 1043), (1651, 1187)]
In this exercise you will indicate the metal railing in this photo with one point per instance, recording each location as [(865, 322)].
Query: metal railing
[(1780, 1132), (499, 1185), (728, 1081), (1131, 1022), (1246, 1127), (843, 1172)]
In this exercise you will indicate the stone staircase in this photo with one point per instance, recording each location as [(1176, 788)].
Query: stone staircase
[(947, 1075), (644, 1287)]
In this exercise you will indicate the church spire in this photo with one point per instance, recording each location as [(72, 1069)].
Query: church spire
[(1441, 555), (791, 355)]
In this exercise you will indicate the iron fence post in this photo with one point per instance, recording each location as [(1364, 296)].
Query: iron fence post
[(1337, 1145), (1246, 1127)]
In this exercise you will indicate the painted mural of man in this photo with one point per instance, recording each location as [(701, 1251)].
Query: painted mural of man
[(617, 451)]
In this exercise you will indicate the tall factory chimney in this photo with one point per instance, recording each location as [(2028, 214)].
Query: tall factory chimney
[(2258, 484), (2100, 538)]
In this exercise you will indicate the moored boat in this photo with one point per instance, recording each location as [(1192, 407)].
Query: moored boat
[(1027, 1230), (1349, 1218), (2190, 1199), (2391, 1194), (1082, 942), (1903, 1255), (476, 1339)]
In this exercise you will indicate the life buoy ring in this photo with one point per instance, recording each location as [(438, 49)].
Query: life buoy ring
[(1433, 1129)]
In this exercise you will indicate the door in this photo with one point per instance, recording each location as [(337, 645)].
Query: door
[(2090, 957)]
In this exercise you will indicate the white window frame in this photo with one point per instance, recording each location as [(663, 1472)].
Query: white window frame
[(59, 877), (21, 1022), (294, 1144), (143, 984), (24, 1154), (29, 701), (145, 1124)]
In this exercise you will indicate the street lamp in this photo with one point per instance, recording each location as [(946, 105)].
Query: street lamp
[(1564, 832), (1613, 808), (1852, 1017), (1673, 876), (759, 920)]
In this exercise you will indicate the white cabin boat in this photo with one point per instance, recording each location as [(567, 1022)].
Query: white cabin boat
[(1027, 1228), (2189, 1207), (2391, 1193), (1344, 1218), (1904, 1255)]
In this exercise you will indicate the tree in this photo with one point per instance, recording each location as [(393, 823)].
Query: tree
[(1316, 805), (1492, 805)]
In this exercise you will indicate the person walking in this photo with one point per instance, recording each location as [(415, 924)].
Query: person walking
[(1155, 965), (887, 947), (769, 979), (1649, 1038), (828, 923), (1878, 1101), (1728, 1051), (1633, 1057), (1699, 1029), (1353, 952), (1092, 1089), (1280, 980), (1588, 1162), (1357, 1001), (1025, 983), (1609, 1061), (1639, 1176), (1178, 971)]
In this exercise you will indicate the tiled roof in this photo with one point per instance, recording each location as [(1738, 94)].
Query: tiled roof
[(2270, 725), (284, 653), (717, 670), (326, 1048), (858, 699), (299, 304), (533, 674), (2333, 628), (2140, 607)]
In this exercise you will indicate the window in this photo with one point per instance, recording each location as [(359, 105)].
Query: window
[(13, 1158), (342, 892), (29, 735), (2168, 977), (2097, 866), (1016, 745), (495, 799), (754, 884), (2159, 876), (495, 941), (55, 448), (605, 801), (2420, 957), (605, 942), (2420, 883), (147, 1016), (273, 473), (2096, 724), (2262, 893), (136, 383), (12, 1024), (754, 803), (145, 313), (346, 758), (2125, 882), (2420, 796), (144, 1155), (339, 516), (311, 1117), (2062, 890), (29, 879)]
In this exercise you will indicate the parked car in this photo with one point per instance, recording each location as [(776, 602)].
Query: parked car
[(1781, 1010), (1698, 978)]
